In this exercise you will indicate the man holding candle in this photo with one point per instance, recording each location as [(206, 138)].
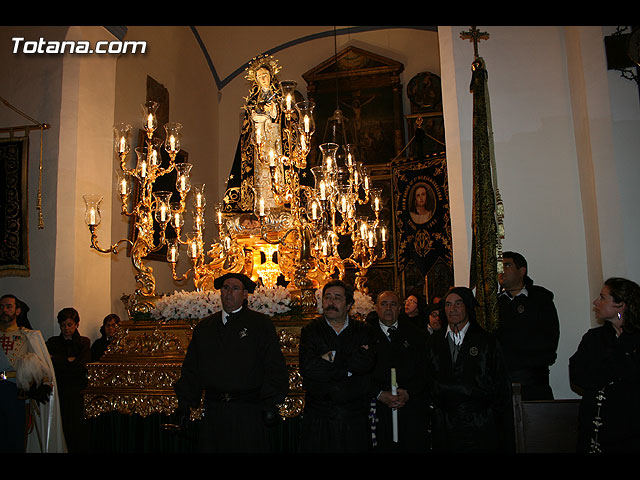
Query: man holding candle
[(399, 347), (235, 357), (336, 365)]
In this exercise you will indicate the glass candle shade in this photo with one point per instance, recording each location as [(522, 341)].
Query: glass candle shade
[(183, 182), (162, 207), (307, 124), (172, 251), (199, 200), (288, 88), (172, 139), (376, 199), (149, 118), (177, 217), (92, 209), (142, 166), (122, 138)]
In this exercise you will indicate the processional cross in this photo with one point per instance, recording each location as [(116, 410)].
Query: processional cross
[(474, 35)]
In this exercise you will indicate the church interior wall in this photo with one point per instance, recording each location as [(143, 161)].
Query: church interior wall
[(551, 208), (536, 153), (174, 60), (33, 85)]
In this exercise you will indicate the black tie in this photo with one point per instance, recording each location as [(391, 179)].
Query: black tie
[(391, 332)]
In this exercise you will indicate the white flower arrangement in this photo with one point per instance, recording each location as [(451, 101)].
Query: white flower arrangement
[(271, 301), (187, 305), (196, 305)]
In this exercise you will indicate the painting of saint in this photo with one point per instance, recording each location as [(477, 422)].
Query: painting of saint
[(422, 203)]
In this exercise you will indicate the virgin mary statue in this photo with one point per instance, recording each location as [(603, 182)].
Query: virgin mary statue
[(260, 141)]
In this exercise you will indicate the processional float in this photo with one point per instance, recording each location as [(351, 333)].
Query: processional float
[(271, 214)]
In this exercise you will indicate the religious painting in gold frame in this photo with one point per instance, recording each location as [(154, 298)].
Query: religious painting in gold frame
[(366, 88)]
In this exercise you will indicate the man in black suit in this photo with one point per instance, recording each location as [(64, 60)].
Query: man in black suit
[(235, 357), (400, 345)]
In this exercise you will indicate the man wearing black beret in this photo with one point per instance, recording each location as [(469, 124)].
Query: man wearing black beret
[(235, 357)]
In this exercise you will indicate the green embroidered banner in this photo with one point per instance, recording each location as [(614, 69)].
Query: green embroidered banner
[(483, 271)]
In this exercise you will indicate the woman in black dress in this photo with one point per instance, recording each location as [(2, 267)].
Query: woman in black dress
[(70, 352), (605, 370)]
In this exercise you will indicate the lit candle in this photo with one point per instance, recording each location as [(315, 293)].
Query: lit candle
[(262, 207), (306, 124), (92, 216), (198, 200), (324, 248), (172, 143), (272, 158), (173, 254), (183, 183), (366, 182), (150, 121), (154, 158), (383, 233), (194, 249), (219, 218), (323, 193), (176, 220), (288, 101), (163, 213), (258, 135), (123, 186), (376, 203), (143, 169), (370, 238), (349, 160), (314, 210), (344, 203), (123, 144), (303, 144)]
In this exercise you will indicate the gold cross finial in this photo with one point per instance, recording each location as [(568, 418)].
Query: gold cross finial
[(474, 35)]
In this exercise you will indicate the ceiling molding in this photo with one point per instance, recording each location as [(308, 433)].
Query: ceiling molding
[(221, 83)]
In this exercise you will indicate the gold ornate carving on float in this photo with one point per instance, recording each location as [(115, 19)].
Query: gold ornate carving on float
[(137, 373)]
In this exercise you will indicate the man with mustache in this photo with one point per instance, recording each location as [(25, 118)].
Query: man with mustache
[(336, 364)]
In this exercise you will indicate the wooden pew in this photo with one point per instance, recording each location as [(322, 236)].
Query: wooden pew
[(545, 426)]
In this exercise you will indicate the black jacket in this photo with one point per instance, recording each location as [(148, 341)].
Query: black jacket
[(608, 367), (471, 398)]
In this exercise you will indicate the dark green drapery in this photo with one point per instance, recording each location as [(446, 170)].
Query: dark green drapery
[(483, 271)]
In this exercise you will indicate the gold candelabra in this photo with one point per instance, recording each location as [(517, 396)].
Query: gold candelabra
[(320, 215), (152, 211), (302, 225)]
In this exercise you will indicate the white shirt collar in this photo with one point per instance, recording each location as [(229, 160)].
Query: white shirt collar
[(458, 337), (524, 292), (225, 314), (385, 328), (346, 324)]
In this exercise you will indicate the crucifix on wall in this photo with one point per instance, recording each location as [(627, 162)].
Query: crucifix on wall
[(474, 35)]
